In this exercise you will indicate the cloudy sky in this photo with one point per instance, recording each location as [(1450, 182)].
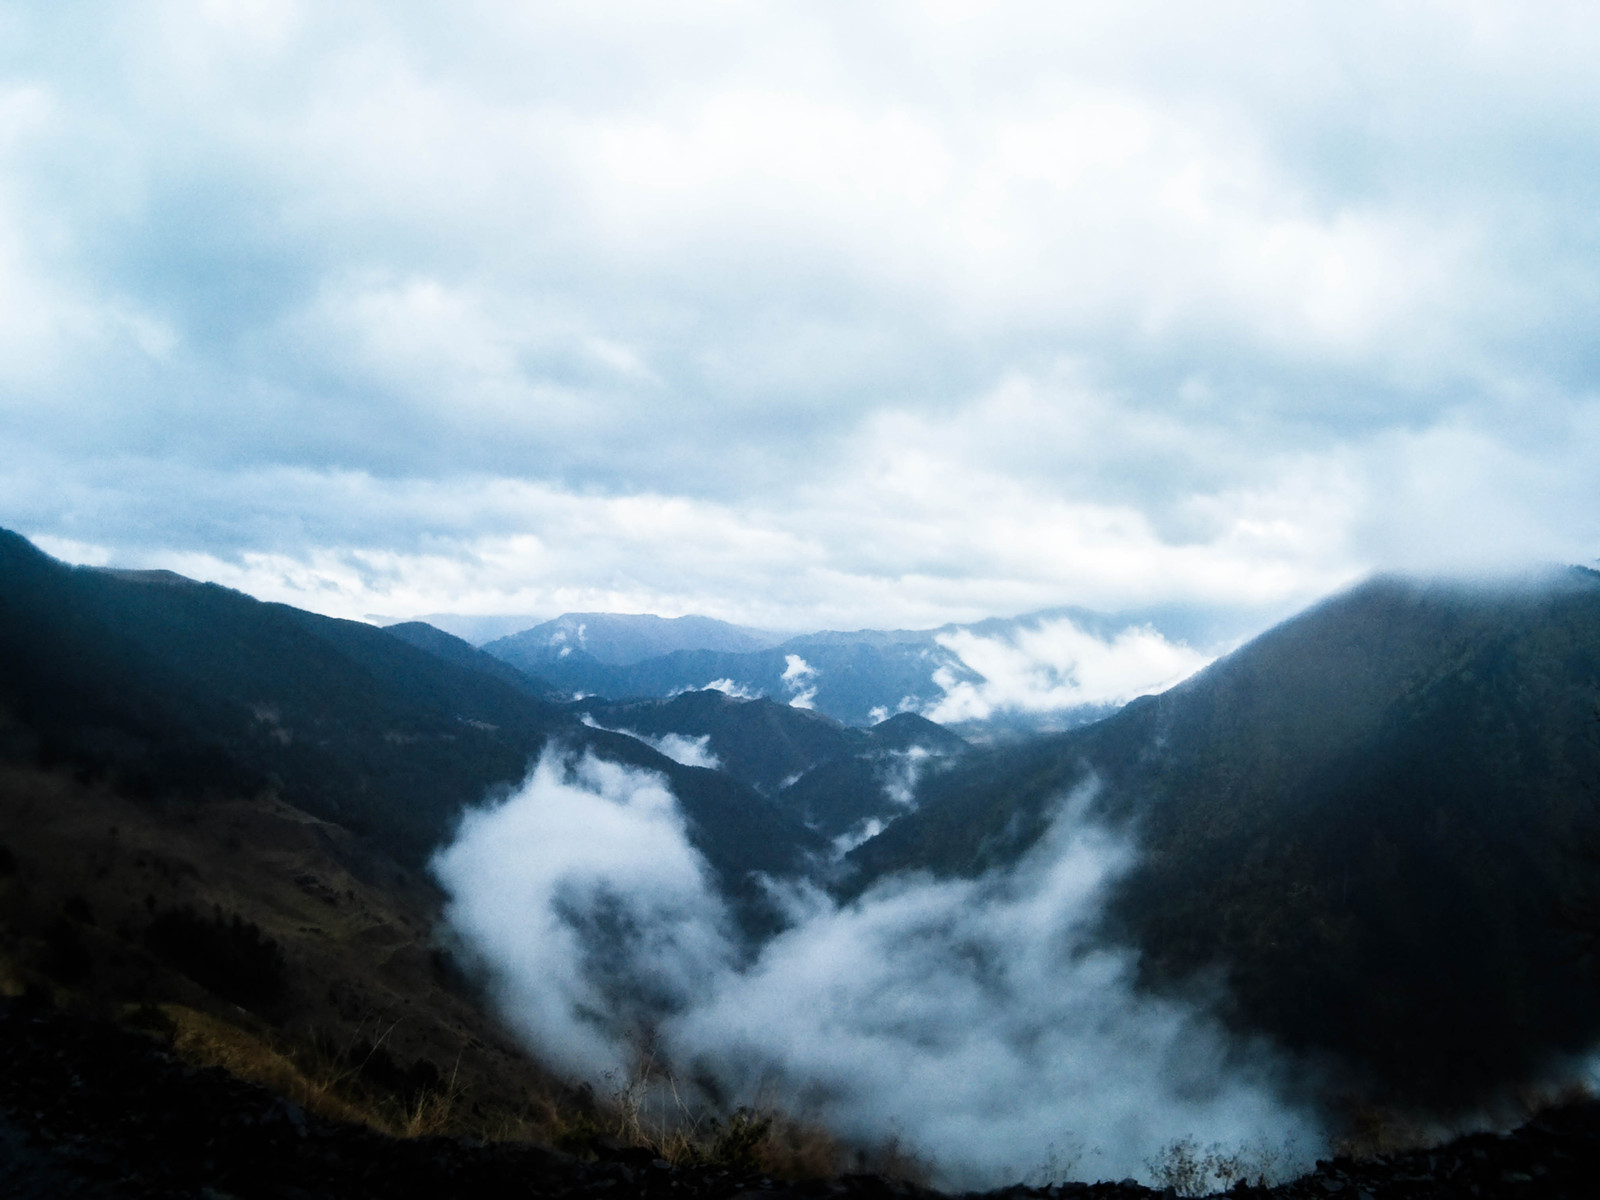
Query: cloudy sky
[(799, 314)]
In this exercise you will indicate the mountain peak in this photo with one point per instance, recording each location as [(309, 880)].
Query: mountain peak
[(622, 639)]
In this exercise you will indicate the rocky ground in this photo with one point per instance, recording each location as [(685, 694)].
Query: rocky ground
[(91, 1109)]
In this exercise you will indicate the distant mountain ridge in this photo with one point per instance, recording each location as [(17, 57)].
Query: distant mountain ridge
[(859, 677), (622, 639), (1372, 831), (834, 778)]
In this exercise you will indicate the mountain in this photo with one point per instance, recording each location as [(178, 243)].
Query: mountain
[(169, 688), (833, 777), (462, 653), (474, 628), (1002, 677), (621, 639), (756, 741), (858, 683), (1371, 821)]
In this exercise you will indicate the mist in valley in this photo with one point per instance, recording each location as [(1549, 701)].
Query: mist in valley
[(977, 1023)]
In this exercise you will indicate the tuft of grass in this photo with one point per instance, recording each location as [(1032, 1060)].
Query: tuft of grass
[(1190, 1169), (205, 1040), (429, 1110), (648, 1109)]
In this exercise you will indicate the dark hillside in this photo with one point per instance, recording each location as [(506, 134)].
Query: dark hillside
[(856, 675), (831, 776), (464, 654), (89, 1110), (758, 741), (1368, 819), (858, 794), (906, 730), (169, 687)]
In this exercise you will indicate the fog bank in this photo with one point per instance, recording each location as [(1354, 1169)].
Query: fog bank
[(973, 1020)]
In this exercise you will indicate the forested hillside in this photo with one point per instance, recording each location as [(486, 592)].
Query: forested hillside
[(1375, 823)]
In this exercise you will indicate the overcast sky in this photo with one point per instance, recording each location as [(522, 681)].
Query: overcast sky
[(802, 315)]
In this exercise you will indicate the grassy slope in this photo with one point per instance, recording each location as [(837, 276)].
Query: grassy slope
[(91, 871)]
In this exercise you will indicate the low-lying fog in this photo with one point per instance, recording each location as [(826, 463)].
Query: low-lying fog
[(972, 1020)]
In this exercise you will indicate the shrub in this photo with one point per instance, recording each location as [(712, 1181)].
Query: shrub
[(228, 956)]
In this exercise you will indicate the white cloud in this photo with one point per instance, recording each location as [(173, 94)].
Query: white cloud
[(679, 747), (729, 688), (798, 676), (901, 772), (975, 1020), (1055, 665), (690, 751), (584, 894), (800, 315)]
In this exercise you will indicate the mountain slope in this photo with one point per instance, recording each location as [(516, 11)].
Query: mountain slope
[(833, 777), (756, 741), (858, 683), (1366, 819), (464, 654), (172, 687)]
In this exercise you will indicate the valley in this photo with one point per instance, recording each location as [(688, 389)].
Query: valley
[(1348, 868)]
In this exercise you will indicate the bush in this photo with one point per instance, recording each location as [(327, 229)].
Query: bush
[(228, 956)]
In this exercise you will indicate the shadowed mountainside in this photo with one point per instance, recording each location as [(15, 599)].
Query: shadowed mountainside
[(833, 777), (167, 686), (88, 1110), (1365, 819), (464, 654)]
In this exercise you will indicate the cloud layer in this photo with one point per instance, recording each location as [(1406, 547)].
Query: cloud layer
[(804, 315), (974, 1020), (1055, 664)]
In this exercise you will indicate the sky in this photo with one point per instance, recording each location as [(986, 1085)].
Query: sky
[(800, 315)]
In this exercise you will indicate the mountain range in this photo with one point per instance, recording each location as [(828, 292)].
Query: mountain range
[(163, 686), (1370, 832), (622, 639), (861, 677)]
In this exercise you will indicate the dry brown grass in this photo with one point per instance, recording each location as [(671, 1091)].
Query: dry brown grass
[(354, 926), (359, 972), (207, 1041), (649, 1109)]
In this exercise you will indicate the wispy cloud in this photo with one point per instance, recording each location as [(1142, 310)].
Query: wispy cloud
[(679, 747), (729, 688)]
